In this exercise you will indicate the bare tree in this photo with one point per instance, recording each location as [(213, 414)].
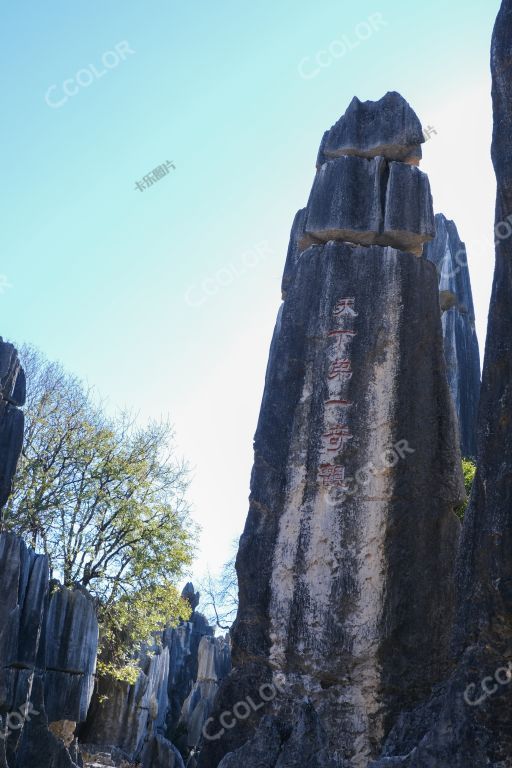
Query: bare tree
[(219, 595)]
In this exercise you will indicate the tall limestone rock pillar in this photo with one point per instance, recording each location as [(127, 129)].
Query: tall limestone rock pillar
[(448, 253), (345, 565)]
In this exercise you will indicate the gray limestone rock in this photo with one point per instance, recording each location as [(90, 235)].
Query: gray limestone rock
[(172, 697), (346, 562), (275, 745), (409, 212), (345, 201), (11, 442), (43, 645), (299, 242), (71, 643), (371, 202), (12, 376), (448, 253), (126, 716), (468, 722), (214, 664), (23, 600), (12, 394), (388, 128), (160, 753), (183, 644)]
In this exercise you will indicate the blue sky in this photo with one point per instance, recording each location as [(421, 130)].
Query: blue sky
[(111, 280)]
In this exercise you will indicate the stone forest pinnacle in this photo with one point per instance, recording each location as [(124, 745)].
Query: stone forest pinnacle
[(374, 628)]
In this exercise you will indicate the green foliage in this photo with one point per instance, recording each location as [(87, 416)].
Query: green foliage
[(469, 471), (105, 500)]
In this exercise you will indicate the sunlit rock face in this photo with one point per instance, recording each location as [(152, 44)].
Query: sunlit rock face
[(125, 716), (387, 128), (467, 722), (214, 664), (461, 349), (371, 202), (164, 711), (346, 562)]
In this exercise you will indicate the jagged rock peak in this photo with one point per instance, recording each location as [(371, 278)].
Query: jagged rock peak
[(191, 595), (388, 128)]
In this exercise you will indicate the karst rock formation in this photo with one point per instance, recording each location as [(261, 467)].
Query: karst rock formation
[(374, 631), (161, 716), (54, 712), (48, 634), (462, 354), (387, 637), (346, 562)]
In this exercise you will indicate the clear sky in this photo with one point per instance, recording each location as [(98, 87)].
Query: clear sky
[(165, 298)]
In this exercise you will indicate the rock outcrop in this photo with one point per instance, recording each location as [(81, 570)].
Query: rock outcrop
[(48, 645), (448, 253), (163, 713), (387, 128), (371, 201), (48, 650), (124, 717), (12, 397), (48, 634), (467, 722), (214, 664), (346, 562)]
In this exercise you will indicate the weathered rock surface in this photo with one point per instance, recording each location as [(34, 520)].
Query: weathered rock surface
[(371, 202), (276, 745), (46, 641), (299, 242), (160, 753), (214, 664), (409, 213), (40, 648), (448, 253), (71, 642), (165, 710), (345, 564), (345, 201), (388, 128), (125, 716), (12, 394), (183, 643), (468, 721)]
